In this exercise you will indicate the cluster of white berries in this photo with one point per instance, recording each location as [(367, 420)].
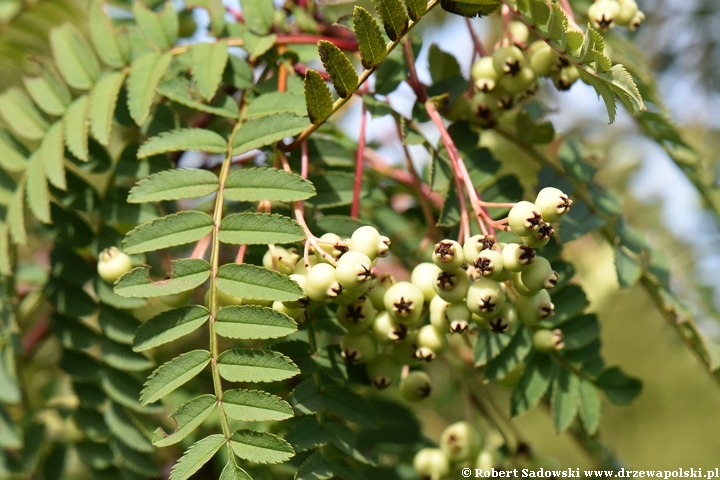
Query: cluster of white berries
[(605, 14)]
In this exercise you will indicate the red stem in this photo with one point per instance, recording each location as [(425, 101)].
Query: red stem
[(347, 44), (355, 209), (479, 47)]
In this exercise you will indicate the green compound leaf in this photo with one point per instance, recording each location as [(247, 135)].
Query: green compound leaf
[(341, 71), (180, 91), (169, 231), (135, 462), (307, 434), (260, 229), (12, 153), (252, 322), (187, 273), (187, 418), (260, 447), (258, 15), (215, 9), (233, 472), (618, 387), (171, 375), (77, 128), (123, 357), (145, 75), (160, 29), (470, 8), (184, 139), (370, 40), (262, 131), (394, 17), (249, 281), (624, 86), (317, 97), (169, 326), (334, 189), (511, 356), (255, 184), (589, 406), (255, 406), (533, 384), (276, 102), (416, 9), (103, 100), (127, 428), (174, 184), (248, 365), (48, 92), (196, 456), (580, 332), (125, 390), (565, 399), (540, 12), (208, 65), (38, 195), (74, 57), (104, 37), (21, 115), (117, 325)]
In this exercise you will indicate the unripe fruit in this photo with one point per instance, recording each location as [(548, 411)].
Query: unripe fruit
[(186, 24), (524, 219), (358, 347), (489, 263), (565, 78), (458, 315), (539, 275), (386, 331), (430, 343), (416, 386), (356, 317), (438, 314), (366, 240), (461, 441), (347, 296), (383, 246), (458, 110), (519, 32), (176, 300), (404, 301), (283, 260), (541, 237), (485, 297), (602, 14), (320, 283), (487, 460), (112, 264), (553, 204), (423, 276), (628, 10), (484, 74), (476, 244), (294, 313), (404, 351), (448, 255), (431, 464), (331, 244), (548, 340), (378, 288), (300, 302), (222, 299), (517, 257), (452, 286), (508, 60), (353, 269), (505, 320), (258, 302), (637, 20), (520, 82), (533, 309), (520, 287), (383, 371), (484, 108), (542, 58), (300, 267)]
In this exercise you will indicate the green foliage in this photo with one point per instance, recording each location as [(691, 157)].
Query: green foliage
[(341, 71)]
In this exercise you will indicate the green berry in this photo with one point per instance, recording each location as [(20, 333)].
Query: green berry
[(404, 350), (542, 58), (258, 302), (383, 246), (520, 287), (539, 275), (458, 315), (628, 10), (476, 244), (438, 314), (519, 32), (430, 343), (552, 203), (452, 286), (548, 340), (356, 317), (282, 260), (294, 313), (533, 309), (565, 77), (541, 237), (637, 20), (505, 320), (113, 264), (484, 74), (517, 257), (383, 371), (300, 302), (508, 60), (378, 288), (358, 347), (524, 218), (300, 267), (353, 270), (431, 464), (423, 276), (386, 331), (489, 263), (176, 300), (416, 386), (186, 24), (347, 296), (461, 441), (223, 299), (320, 283), (602, 14), (331, 244), (520, 82), (448, 255), (404, 301), (485, 297), (366, 240), (487, 460)]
